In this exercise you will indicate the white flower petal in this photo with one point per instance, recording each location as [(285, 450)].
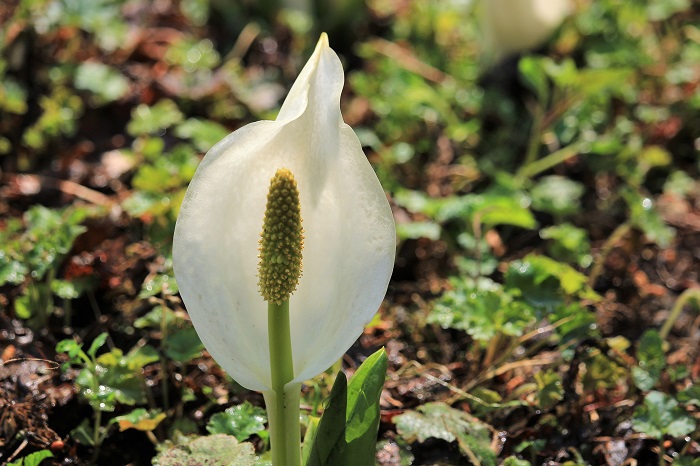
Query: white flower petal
[(348, 227)]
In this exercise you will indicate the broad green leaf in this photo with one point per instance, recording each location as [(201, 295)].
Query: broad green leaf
[(364, 390), (660, 415), (546, 282), (309, 437), (347, 432), (140, 419), (212, 450), (329, 442), (241, 421), (438, 420)]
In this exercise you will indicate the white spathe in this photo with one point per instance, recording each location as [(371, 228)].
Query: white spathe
[(348, 226), (512, 26)]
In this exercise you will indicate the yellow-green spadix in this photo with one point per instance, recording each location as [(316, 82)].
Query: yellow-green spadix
[(349, 234)]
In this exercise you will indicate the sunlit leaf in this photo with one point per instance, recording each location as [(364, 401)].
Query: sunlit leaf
[(213, 450), (660, 415), (140, 419), (438, 420), (241, 421)]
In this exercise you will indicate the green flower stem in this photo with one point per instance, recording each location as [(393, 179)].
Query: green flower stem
[(683, 299), (282, 402)]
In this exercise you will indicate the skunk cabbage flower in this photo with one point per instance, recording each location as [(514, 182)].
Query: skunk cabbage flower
[(348, 233), (512, 26)]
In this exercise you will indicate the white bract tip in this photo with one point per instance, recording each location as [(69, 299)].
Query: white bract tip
[(348, 228)]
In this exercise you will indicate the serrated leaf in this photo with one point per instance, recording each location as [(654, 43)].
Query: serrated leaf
[(661, 415), (439, 420), (241, 421), (212, 450), (652, 360)]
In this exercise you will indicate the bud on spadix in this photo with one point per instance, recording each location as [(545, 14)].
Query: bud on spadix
[(281, 240)]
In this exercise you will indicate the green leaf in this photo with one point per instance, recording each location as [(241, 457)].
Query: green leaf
[(546, 282), (569, 243), (686, 461), (329, 442), (154, 319), (107, 83), (660, 415), (162, 283), (140, 419), (646, 217), (13, 97), (11, 271), (203, 133), (363, 405), (241, 421), (64, 289), (415, 230), (347, 432), (439, 420), (514, 461), (119, 378), (690, 395), (557, 195), (32, 459), (147, 120), (532, 71), (212, 450), (183, 345), (97, 344), (549, 389), (482, 311), (652, 360)]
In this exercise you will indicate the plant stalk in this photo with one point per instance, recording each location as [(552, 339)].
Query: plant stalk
[(282, 401), (677, 308)]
